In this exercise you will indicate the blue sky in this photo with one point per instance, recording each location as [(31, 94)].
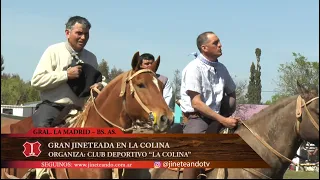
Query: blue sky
[(168, 28)]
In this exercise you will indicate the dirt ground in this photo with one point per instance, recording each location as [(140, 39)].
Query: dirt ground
[(5, 124)]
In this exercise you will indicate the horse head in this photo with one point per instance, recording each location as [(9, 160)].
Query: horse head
[(307, 113), (134, 98), (144, 96)]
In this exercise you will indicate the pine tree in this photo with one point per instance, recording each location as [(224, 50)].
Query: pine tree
[(104, 69), (251, 87), (257, 77)]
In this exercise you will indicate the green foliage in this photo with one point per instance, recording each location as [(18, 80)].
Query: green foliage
[(176, 85), (251, 87), (257, 78), (254, 88), (15, 91), (290, 174), (104, 69), (2, 64), (258, 53), (115, 72), (241, 92), (306, 72), (31, 93)]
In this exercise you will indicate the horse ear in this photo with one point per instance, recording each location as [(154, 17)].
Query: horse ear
[(135, 61), (301, 89), (155, 65)]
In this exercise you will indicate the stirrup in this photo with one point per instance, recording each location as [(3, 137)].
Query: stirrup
[(202, 176)]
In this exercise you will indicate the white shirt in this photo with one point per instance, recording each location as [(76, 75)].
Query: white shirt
[(210, 82), (167, 92)]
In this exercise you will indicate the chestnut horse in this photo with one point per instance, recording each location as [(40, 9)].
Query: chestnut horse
[(275, 134), (131, 96)]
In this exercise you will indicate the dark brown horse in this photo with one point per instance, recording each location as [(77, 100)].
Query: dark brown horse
[(133, 95), (275, 133)]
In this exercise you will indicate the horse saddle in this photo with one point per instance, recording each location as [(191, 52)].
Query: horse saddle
[(67, 112)]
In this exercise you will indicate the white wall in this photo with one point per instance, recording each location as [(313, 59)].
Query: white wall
[(19, 110)]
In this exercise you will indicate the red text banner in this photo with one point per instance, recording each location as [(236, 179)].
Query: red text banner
[(55, 144), (124, 164)]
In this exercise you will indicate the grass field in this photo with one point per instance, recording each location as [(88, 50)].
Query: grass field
[(301, 175)]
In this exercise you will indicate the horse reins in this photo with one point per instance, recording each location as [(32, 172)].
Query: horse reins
[(300, 104), (127, 78), (152, 116)]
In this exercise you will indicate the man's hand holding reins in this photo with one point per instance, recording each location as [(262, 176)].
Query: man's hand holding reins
[(99, 86), (230, 122)]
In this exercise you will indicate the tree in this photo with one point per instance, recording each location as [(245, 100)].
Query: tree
[(257, 78), (104, 69), (2, 64), (254, 89), (176, 85), (31, 93), (302, 70), (251, 87), (241, 92), (15, 91), (115, 72)]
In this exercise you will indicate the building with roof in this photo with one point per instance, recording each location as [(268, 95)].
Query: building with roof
[(23, 110)]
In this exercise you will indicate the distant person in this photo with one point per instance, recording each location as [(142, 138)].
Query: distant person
[(65, 73), (146, 61)]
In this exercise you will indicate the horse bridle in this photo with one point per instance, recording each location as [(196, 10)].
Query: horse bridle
[(127, 78), (299, 105)]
